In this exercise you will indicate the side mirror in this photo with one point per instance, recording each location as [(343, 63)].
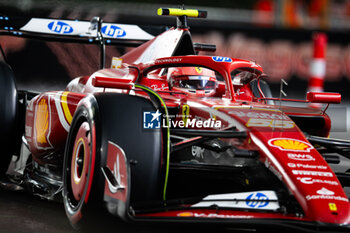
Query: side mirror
[(323, 97), (107, 82)]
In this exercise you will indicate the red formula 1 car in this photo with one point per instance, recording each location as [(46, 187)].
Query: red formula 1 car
[(168, 135)]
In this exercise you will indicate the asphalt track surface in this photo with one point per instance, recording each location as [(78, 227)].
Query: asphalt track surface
[(23, 213)]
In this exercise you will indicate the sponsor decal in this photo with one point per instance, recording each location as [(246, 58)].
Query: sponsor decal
[(151, 120), (185, 113), (289, 144), (332, 207), (326, 197), (221, 59), (197, 152), (306, 166), (199, 69), (324, 191), (310, 180), (60, 27), (159, 88), (262, 115), (203, 215), (113, 31), (257, 122), (301, 157), (169, 60), (257, 200), (41, 121), (211, 215), (264, 199), (312, 173)]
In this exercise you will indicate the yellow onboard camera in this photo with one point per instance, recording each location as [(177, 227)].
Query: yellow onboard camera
[(182, 12), (182, 15)]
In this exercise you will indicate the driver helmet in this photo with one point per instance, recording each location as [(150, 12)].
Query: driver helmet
[(242, 77), (195, 81)]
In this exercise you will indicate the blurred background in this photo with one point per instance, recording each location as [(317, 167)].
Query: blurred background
[(277, 34)]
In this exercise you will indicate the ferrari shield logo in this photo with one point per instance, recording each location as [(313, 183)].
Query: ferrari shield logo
[(199, 69), (185, 112), (332, 207)]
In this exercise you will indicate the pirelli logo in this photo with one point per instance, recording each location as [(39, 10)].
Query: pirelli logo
[(312, 173)]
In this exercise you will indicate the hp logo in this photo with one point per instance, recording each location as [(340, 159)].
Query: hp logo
[(257, 200), (113, 31), (222, 59), (60, 27)]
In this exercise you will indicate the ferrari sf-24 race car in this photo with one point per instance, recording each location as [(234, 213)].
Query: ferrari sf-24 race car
[(168, 135)]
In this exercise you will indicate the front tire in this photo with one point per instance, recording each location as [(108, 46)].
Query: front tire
[(99, 120), (8, 117)]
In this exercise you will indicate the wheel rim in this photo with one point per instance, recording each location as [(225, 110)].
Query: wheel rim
[(80, 161)]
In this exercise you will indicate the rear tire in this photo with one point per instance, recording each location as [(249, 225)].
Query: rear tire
[(79, 167), (8, 117)]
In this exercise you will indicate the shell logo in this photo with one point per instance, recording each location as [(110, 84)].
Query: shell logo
[(41, 121), (185, 214), (290, 144)]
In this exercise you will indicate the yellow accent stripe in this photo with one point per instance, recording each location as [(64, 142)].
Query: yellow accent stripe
[(65, 107), (76, 178)]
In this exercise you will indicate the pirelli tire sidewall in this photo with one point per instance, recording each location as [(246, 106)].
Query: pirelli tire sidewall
[(9, 126), (77, 210)]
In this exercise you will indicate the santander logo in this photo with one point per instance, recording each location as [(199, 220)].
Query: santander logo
[(325, 191)]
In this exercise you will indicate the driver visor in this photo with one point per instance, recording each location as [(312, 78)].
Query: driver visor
[(195, 82)]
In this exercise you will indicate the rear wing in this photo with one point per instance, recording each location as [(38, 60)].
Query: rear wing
[(93, 32), (74, 31)]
